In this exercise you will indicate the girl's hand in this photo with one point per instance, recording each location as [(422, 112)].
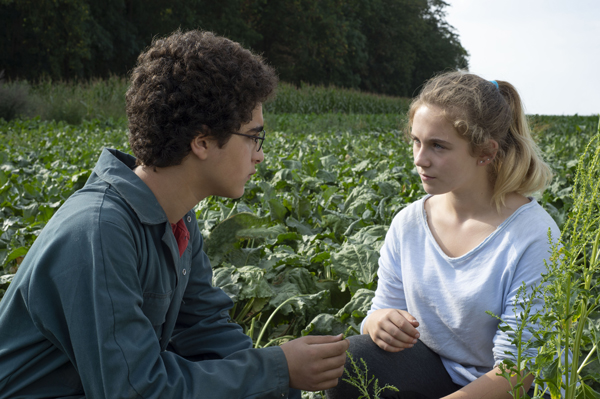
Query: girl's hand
[(392, 330)]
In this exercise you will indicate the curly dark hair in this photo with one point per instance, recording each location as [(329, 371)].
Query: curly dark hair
[(192, 83)]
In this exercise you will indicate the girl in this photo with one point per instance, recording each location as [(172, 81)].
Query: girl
[(463, 249)]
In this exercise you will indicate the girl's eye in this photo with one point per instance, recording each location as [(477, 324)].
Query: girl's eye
[(437, 146)]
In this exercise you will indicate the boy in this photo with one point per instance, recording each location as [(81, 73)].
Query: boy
[(114, 299)]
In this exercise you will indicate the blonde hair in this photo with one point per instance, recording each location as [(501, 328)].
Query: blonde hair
[(480, 111)]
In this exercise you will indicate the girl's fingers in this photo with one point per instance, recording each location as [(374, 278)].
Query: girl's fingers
[(398, 335), (389, 343), (410, 318), (402, 324)]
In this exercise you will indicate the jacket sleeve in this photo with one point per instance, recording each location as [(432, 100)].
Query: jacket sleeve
[(92, 311)]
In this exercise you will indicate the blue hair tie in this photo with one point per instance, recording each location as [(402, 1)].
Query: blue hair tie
[(495, 84)]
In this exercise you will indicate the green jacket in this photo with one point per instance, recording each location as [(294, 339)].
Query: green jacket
[(103, 306)]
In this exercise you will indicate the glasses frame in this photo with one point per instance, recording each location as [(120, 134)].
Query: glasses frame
[(255, 138)]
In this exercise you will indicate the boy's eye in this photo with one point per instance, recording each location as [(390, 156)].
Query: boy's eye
[(438, 146)]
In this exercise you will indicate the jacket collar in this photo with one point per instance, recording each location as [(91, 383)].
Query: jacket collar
[(116, 168)]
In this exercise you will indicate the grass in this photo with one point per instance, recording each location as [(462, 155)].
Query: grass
[(308, 99), (104, 99), (75, 102), (294, 123), (61, 101)]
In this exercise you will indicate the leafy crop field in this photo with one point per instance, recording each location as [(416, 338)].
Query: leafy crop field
[(298, 252)]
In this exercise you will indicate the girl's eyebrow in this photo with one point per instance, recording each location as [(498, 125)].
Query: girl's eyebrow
[(433, 140)]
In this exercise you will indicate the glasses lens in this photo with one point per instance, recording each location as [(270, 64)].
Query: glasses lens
[(261, 138)]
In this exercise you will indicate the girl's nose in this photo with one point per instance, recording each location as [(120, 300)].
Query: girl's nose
[(420, 157)]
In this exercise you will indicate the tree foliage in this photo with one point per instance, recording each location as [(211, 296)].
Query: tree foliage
[(383, 46)]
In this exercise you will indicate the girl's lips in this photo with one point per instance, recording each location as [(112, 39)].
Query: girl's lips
[(425, 177)]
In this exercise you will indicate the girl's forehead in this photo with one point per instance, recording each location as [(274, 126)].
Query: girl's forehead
[(430, 118)]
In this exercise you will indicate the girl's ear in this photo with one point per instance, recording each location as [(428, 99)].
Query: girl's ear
[(487, 156)]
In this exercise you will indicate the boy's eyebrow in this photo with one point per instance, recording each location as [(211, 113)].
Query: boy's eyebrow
[(257, 129)]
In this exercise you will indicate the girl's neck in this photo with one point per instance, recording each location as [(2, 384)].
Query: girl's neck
[(473, 204)]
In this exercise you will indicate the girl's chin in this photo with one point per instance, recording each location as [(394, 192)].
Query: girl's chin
[(432, 190)]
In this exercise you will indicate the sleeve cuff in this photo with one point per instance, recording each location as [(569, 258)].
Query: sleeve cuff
[(280, 371)]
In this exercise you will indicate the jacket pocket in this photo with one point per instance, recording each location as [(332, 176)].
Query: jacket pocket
[(155, 307)]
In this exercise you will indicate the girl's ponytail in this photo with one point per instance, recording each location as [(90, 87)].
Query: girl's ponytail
[(519, 166)]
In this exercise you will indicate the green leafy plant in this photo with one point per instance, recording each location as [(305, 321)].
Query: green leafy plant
[(359, 377)]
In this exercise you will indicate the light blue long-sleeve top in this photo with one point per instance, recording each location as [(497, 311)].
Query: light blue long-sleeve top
[(450, 296)]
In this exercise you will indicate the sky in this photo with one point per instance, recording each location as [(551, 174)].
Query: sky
[(548, 49)]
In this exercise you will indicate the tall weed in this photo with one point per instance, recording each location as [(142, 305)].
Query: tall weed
[(565, 363)]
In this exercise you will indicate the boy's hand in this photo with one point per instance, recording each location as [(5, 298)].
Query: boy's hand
[(315, 362), (392, 330)]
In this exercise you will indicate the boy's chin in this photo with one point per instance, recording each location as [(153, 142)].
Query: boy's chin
[(234, 195)]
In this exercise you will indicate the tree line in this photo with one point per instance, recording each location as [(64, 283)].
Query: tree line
[(381, 46)]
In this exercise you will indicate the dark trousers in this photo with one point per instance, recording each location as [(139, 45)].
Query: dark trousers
[(417, 372)]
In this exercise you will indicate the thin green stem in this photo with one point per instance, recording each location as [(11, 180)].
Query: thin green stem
[(585, 361), (231, 211), (251, 329), (588, 273), (262, 331), (244, 311), (271, 342), (567, 329), (574, 374)]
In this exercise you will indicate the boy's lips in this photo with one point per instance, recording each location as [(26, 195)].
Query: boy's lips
[(426, 177)]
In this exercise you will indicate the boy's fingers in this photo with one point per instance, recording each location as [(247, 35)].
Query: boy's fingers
[(322, 339), (330, 377), (333, 363), (333, 349)]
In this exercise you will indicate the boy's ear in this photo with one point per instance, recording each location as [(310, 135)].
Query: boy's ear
[(201, 144)]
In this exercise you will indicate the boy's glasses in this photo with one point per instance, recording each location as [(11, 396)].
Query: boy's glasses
[(257, 139)]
